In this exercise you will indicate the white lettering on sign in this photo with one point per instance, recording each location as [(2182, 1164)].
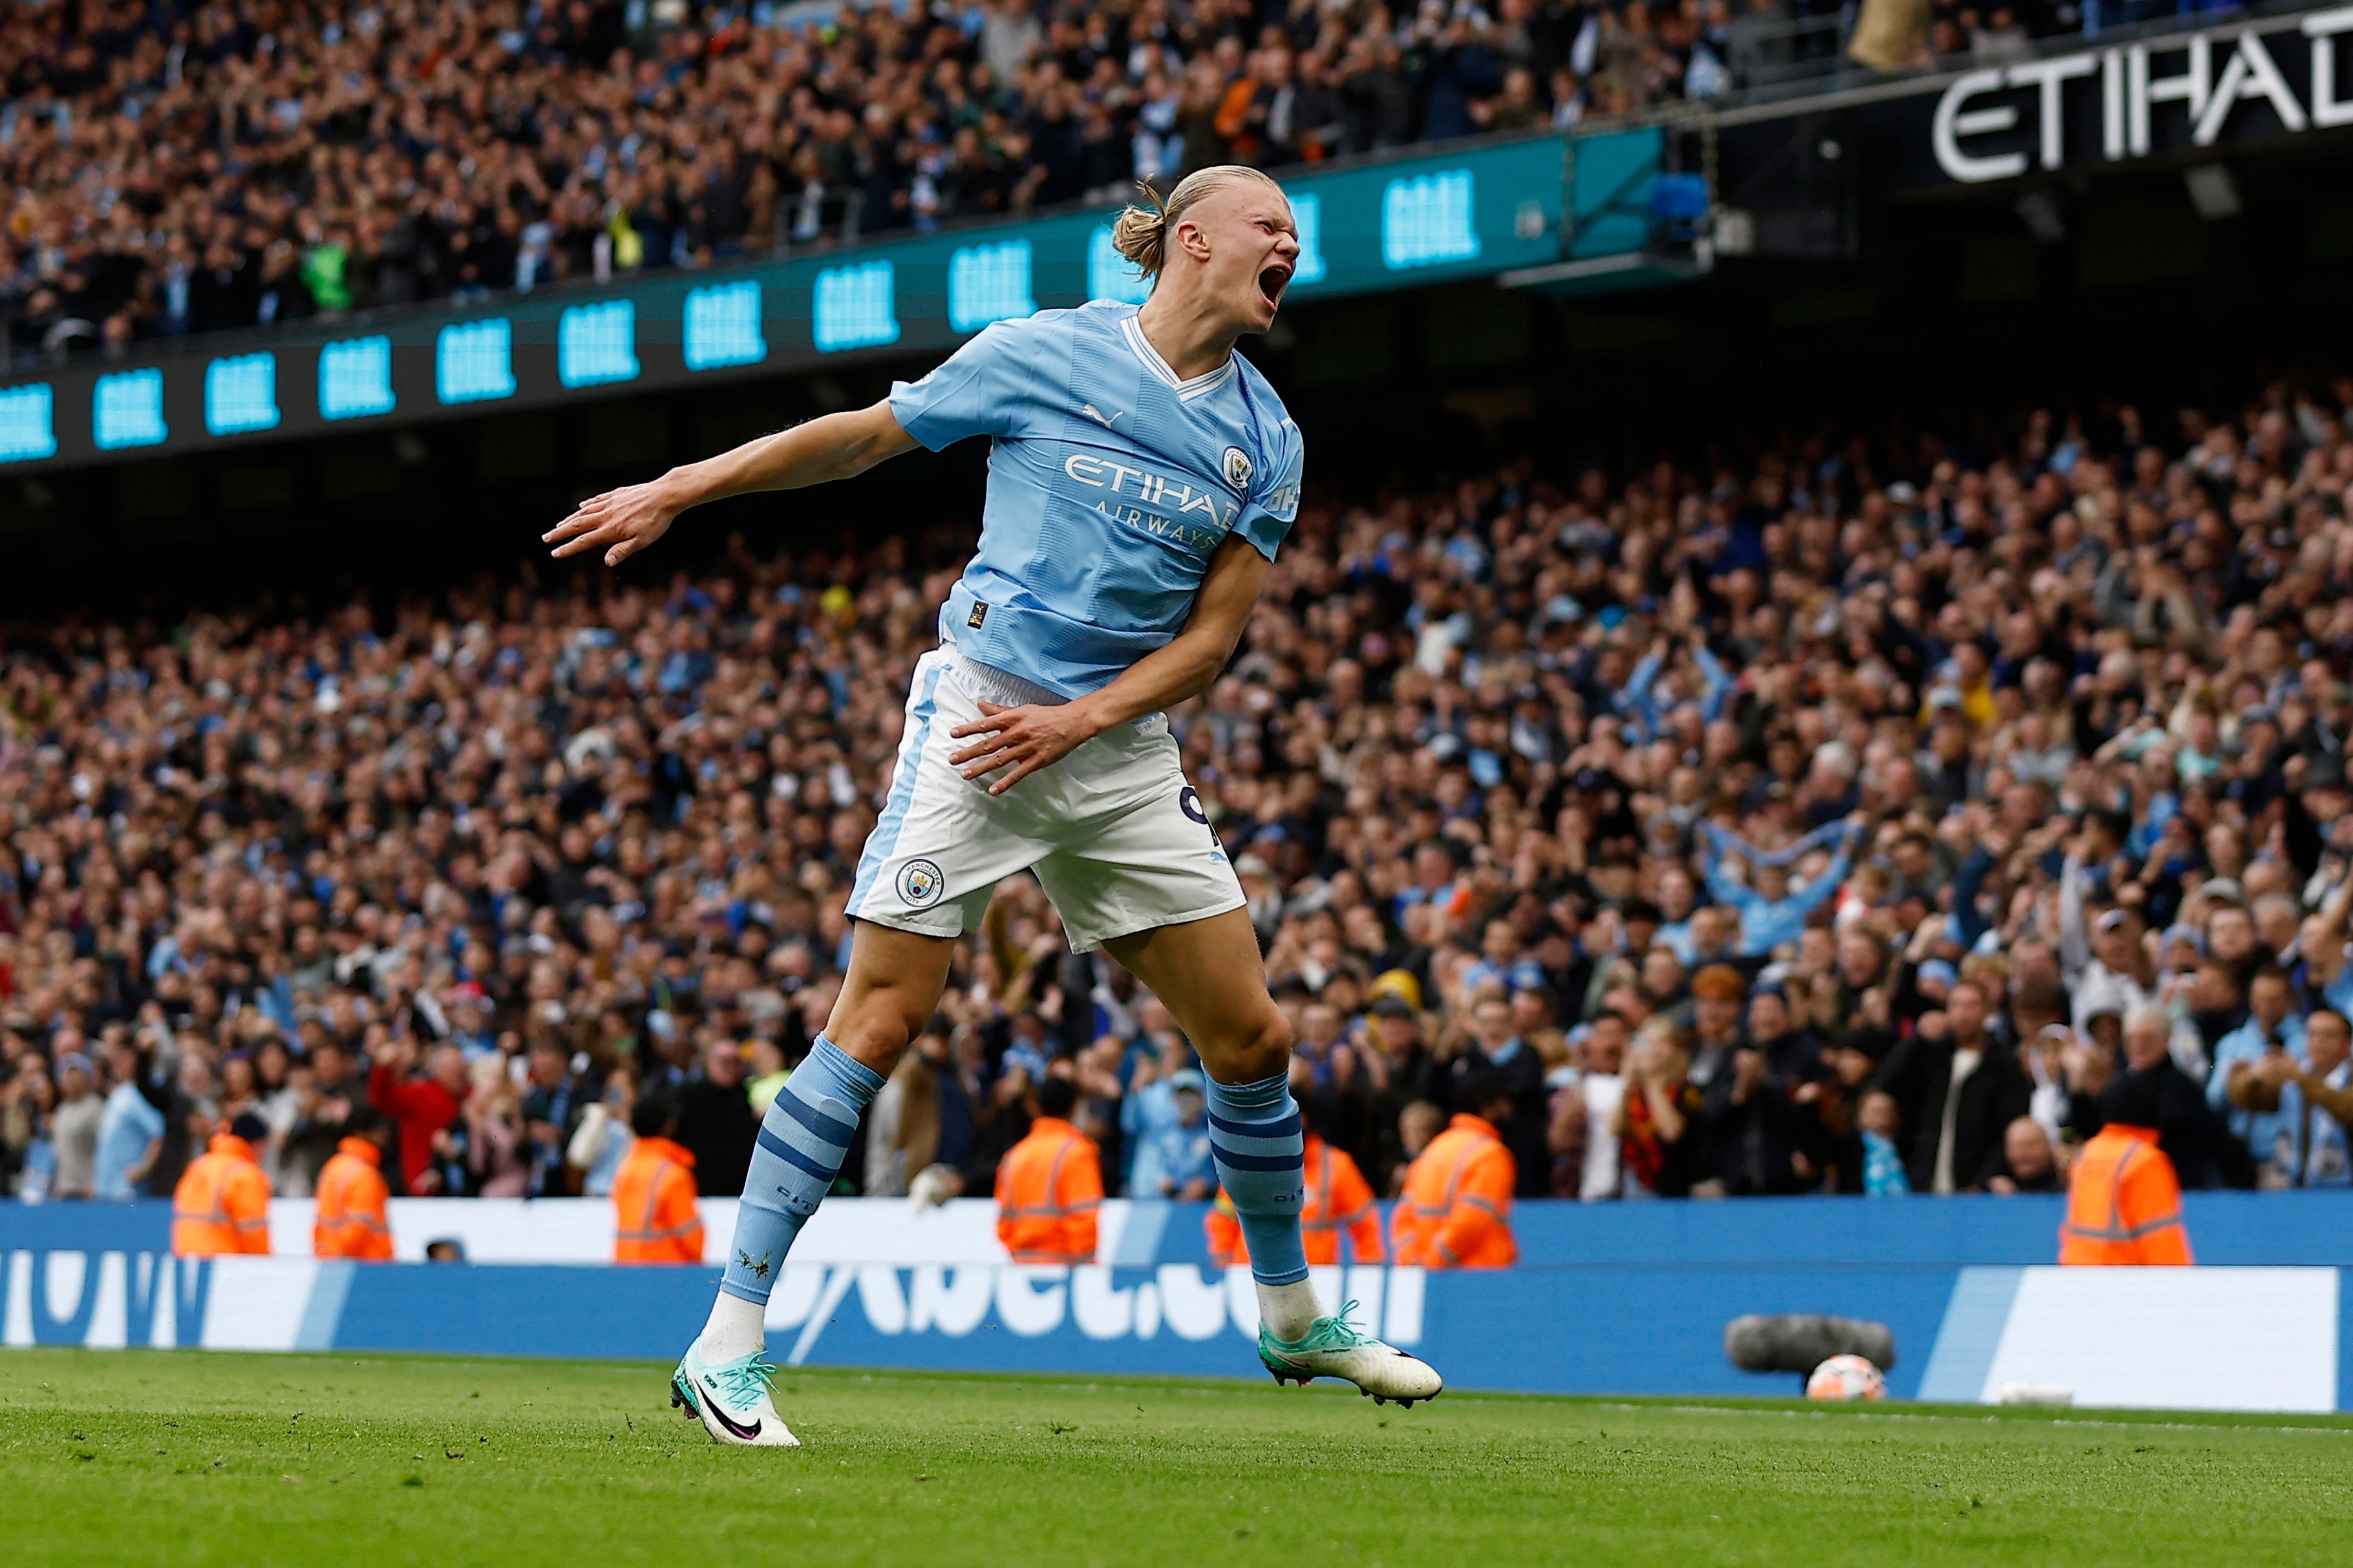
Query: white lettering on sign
[(2321, 28), (1954, 121), (2131, 89), (2188, 88), (2052, 75), (2250, 73)]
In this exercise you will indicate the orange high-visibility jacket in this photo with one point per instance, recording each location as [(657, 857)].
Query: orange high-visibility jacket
[(1049, 1187), (1456, 1212), (1338, 1199), (655, 1219), (222, 1203), (2124, 1201), (351, 1220)]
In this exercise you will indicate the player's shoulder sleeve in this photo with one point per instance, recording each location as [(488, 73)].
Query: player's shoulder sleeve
[(985, 388), (1273, 504)]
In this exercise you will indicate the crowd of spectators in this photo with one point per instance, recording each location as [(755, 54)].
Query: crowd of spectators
[(1845, 818), (173, 166), (177, 166)]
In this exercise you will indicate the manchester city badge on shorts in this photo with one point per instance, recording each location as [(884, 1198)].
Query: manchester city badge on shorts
[(1237, 468), (921, 883)]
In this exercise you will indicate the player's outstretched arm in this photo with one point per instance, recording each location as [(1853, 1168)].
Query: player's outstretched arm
[(1016, 741), (837, 447)]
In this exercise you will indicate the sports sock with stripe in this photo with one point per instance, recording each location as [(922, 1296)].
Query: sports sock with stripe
[(803, 1141), (1255, 1136)]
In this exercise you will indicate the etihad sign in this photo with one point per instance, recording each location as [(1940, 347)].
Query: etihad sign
[(2206, 79)]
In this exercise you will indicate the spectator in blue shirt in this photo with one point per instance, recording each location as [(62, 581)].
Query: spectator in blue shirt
[(130, 1129), (2311, 1097), (1878, 1119), (1147, 1113), (1185, 1169), (1503, 956), (2324, 978), (1640, 700), (2272, 1136), (1436, 866), (1678, 897), (1775, 910), (469, 1020), (1027, 1049)]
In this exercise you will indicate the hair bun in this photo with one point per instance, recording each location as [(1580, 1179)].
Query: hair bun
[(1141, 233)]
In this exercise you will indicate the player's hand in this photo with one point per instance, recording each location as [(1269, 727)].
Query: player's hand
[(623, 521), (1018, 741)]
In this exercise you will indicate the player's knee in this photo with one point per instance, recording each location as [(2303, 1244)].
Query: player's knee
[(1264, 1049), (872, 1027)]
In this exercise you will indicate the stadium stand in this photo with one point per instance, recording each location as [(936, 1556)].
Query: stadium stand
[(1844, 814), (175, 168)]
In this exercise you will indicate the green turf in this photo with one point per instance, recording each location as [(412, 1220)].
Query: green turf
[(158, 1458)]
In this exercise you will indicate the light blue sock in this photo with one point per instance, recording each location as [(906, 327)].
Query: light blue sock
[(1255, 1139), (803, 1141)]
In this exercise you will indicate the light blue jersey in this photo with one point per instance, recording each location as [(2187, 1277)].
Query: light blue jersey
[(1111, 485)]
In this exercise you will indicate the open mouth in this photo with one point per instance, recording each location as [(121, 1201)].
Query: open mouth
[(1273, 282)]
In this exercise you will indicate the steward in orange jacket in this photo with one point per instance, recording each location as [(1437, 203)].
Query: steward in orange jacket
[(1049, 1185), (2124, 1201), (1338, 1199), (1456, 1210), (655, 1219), (222, 1203), (351, 1221)]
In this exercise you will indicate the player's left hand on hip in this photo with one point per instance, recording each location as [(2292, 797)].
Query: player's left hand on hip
[(1017, 741)]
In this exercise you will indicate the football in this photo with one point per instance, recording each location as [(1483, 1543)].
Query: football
[(1846, 1377)]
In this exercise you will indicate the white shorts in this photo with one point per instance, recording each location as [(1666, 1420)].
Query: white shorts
[(1117, 837)]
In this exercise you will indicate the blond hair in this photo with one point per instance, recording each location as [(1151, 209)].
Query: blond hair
[(1141, 233)]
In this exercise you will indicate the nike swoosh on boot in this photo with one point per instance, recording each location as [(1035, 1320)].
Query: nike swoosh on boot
[(718, 1412)]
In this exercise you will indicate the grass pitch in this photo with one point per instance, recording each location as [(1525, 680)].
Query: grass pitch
[(165, 1457)]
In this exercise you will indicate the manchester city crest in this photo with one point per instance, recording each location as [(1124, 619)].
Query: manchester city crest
[(921, 883), (1237, 468)]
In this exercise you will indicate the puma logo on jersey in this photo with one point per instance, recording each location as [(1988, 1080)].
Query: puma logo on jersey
[(1099, 416)]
